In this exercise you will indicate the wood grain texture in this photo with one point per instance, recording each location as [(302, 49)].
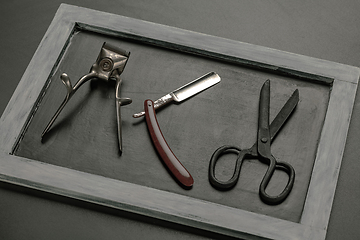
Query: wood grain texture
[(89, 185), (147, 201), (40, 68), (327, 161)]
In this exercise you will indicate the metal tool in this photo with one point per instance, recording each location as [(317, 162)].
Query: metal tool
[(171, 161), (186, 91), (108, 66), (261, 149)]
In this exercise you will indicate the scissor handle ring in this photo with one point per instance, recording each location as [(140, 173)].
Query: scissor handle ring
[(225, 185), (274, 200)]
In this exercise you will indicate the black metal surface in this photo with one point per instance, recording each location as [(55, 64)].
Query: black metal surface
[(260, 150)]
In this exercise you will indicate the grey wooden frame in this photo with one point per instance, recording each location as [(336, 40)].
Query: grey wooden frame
[(160, 204)]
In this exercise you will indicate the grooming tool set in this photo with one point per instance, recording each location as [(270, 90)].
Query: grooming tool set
[(109, 65)]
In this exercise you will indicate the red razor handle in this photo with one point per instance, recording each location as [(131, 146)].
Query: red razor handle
[(169, 158)]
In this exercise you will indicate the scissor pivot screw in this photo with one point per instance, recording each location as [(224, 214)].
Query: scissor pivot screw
[(264, 140)]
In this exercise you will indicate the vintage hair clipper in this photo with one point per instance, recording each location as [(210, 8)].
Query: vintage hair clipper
[(108, 66)]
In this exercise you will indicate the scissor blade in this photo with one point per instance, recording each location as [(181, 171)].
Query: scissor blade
[(284, 114), (264, 138)]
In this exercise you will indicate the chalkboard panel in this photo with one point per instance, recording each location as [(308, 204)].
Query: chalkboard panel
[(84, 137)]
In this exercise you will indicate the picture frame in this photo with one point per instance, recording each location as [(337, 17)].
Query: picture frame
[(172, 207)]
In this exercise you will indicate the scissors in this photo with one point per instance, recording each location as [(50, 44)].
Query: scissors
[(261, 149)]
